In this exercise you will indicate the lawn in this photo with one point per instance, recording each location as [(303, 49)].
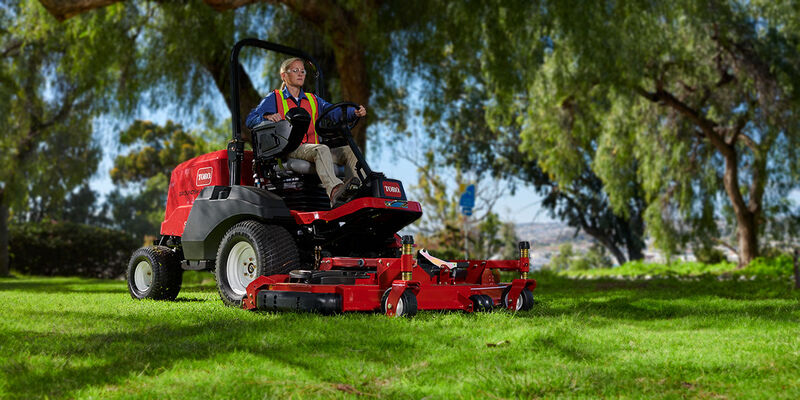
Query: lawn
[(663, 338)]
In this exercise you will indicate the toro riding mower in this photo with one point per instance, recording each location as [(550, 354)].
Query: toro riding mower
[(264, 225)]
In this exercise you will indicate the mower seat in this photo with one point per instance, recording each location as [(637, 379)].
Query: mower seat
[(305, 167)]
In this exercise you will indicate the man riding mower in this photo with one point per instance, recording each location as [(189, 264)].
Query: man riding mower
[(263, 222)]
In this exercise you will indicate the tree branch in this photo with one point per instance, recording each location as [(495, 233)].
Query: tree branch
[(65, 9), (725, 244), (12, 48), (748, 141), (708, 127), (223, 5)]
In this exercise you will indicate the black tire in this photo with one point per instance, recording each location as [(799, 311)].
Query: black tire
[(406, 305), (273, 249), (481, 303), (154, 273), (526, 296)]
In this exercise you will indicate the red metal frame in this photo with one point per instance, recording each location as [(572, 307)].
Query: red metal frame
[(190, 177), (441, 291), (307, 217)]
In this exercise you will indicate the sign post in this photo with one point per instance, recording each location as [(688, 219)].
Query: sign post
[(467, 203)]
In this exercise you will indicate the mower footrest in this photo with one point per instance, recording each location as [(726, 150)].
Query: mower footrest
[(275, 300)]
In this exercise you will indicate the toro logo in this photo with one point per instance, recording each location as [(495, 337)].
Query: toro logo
[(392, 189), (204, 176)]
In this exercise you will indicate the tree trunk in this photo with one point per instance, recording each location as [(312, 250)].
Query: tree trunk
[(616, 252), (748, 238), (609, 244), (746, 220), (355, 86), (796, 269), (4, 260), (635, 248)]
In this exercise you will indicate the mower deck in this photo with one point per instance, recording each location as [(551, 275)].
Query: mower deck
[(343, 284)]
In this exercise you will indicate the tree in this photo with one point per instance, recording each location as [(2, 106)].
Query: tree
[(479, 128), (51, 77), (343, 25), (681, 103), (708, 93), (578, 199)]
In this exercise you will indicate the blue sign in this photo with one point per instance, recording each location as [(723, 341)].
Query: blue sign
[(467, 201), (468, 197)]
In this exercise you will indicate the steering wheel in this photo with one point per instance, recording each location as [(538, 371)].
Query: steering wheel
[(332, 129)]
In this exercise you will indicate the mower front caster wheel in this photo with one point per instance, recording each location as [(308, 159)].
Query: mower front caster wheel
[(154, 273), (406, 304), (481, 303), (524, 301)]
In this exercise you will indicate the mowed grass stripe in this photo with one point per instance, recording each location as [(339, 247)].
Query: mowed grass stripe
[(77, 338)]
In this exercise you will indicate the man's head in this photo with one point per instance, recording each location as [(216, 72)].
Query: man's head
[(293, 72)]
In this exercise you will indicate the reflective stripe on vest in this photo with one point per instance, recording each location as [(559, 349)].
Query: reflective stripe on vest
[(283, 107)]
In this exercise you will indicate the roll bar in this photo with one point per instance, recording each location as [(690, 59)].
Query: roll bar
[(236, 145)]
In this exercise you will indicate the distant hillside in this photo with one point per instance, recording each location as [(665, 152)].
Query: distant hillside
[(549, 233), (546, 237)]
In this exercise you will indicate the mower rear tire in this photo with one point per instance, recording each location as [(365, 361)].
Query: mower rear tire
[(406, 304), (248, 250), (524, 301), (154, 273)]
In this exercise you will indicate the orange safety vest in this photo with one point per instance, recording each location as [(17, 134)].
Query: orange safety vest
[(309, 105)]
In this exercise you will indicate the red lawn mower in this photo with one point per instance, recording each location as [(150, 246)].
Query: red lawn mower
[(264, 225)]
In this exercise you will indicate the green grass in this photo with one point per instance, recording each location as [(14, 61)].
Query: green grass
[(78, 338), (781, 266)]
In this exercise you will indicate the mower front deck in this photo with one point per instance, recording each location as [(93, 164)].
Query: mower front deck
[(343, 284)]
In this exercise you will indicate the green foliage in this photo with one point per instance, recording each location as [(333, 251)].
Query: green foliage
[(140, 212), (595, 258), (782, 265), (476, 117), (69, 249), (54, 81), (562, 260), (709, 255), (569, 260), (648, 103), (678, 72)]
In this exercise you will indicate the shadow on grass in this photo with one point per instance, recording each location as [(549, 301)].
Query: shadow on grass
[(311, 345), (63, 285)]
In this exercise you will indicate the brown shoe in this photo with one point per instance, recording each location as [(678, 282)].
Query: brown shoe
[(343, 192), (336, 193)]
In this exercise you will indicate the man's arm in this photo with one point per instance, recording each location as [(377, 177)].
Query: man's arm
[(266, 107), (335, 114)]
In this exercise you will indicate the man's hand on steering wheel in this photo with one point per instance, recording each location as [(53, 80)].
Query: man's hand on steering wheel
[(361, 112), (331, 129)]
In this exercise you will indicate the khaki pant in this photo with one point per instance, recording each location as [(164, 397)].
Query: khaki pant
[(323, 159)]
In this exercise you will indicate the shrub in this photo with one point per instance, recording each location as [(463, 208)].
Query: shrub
[(782, 265), (595, 258), (69, 249), (709, 255), (562, 261)]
